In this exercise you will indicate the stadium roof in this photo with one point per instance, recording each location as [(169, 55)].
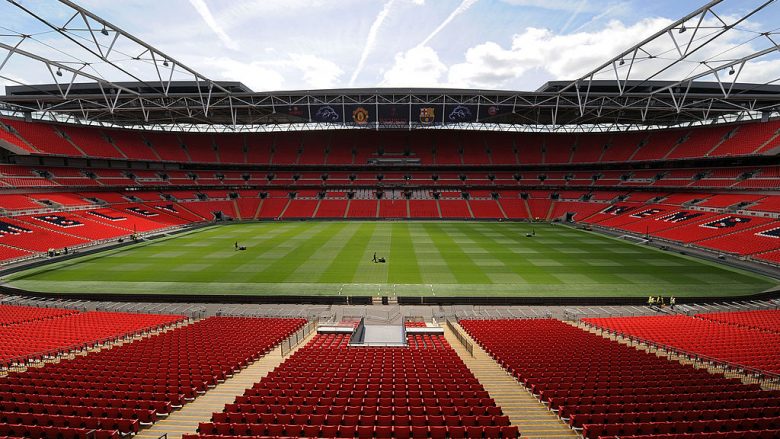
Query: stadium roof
[(399, 108), (631, 90)]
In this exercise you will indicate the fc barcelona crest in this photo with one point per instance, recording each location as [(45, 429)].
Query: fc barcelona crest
[(360, 116), (427, 115)]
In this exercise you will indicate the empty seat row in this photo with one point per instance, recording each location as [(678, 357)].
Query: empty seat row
[(115, 390), (368, 392), (595, 383)]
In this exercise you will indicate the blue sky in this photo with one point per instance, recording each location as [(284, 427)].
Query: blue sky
[(313, 44)]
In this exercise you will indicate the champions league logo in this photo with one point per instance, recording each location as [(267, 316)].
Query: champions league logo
[(460, 113), (326, 114)]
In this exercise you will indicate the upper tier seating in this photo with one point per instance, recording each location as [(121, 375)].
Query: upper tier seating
[(622, 148), (116, 389), (167, 146), (132, 145), (749, 139), (46, 137), (440, 147), (230, 148), (610, 389), (6, 135), (92, 142), (700, 142), (75, 331), (200, 147), (733, 344), (327, 389)]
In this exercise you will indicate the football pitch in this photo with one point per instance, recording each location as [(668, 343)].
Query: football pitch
[(422, 259)]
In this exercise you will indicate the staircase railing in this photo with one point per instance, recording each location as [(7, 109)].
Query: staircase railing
[(298, 336), (461, 338)]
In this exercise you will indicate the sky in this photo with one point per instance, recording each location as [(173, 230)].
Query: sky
[(316, 44)]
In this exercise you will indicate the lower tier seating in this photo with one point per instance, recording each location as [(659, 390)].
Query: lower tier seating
[(35, 339), (115, 390), (13, 314), (327, 389), (672, 217), (743, 346), (606, 388), (765, 319)]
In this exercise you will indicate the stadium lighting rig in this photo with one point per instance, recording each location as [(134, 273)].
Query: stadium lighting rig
[(682, 60), (75, 66)]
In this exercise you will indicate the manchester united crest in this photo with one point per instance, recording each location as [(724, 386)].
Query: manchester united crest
[(427, 115), (360, 116)]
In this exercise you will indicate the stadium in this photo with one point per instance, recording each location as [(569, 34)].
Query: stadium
[(185, 257)]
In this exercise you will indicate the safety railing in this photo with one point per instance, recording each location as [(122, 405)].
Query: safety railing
[(461, 338), (298, 336)]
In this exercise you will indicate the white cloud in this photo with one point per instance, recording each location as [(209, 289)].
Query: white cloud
[(417, 67), (561, 56), (305, 71), (757, 72), (368, 47), (204, 12), (317, 72), (256, 75)]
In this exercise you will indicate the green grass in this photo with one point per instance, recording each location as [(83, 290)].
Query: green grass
[(423, 258)]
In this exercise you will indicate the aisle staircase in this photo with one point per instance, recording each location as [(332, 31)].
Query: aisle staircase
[(186, 420), (531, 416)]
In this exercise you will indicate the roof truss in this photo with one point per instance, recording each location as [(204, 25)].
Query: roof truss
[(99, 73)]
